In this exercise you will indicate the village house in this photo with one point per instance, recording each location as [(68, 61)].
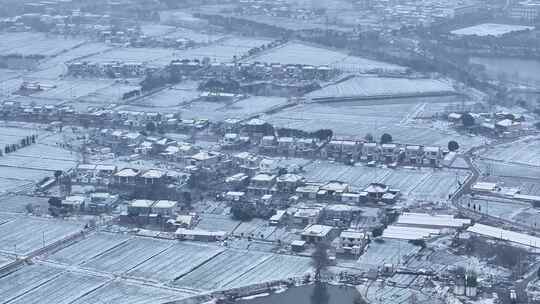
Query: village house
[(205, 159), (432, 156), (289, 182), (318, 233), (268, 144), (308, 192), (261, 183), (389, 153), (413, 154), (375, 191), (152, 176), (278, 218), (237, 181), (286, 145), (164, 208), (370, 152), (248, 162), (126, 176), (101, 202), (200, 235), (307, 216), (140, 207), (340, 214), (351, 242), (74, 203)]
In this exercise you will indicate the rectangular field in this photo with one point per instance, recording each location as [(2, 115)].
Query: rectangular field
[(128, 255), (88, 248), (25, 279), (176, 261), (120, 292), (278, 267), (222, 269), (62, 290), (23, 234)]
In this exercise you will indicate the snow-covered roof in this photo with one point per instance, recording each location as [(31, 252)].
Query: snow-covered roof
[(317, 230), (350, 234), (141, 203), (127, 172), (507, 235), (165, 204), (438, 220), (153, 173)]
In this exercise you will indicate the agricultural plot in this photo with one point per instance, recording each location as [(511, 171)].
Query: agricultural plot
[(490, 29), (23, 235), (176, 261), (61, 290), (169, 98), (106, 95), (364, 87), (24, 280), (128, 255), (222, 50), (498, 168), (222, 269), (31, 43), (5, 261), (217, 222), (406, 180), (71, 89), (357, 176), (284, 235), (9, 185), (195, 36), (525, 151), (298, 53), (88, 248), (385, 294), (153, 56), (258, 228), (18, 203), (388, 251), (278, 267), (120, 292), (439, 185)]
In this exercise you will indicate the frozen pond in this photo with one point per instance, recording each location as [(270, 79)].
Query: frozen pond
[(330, 294)]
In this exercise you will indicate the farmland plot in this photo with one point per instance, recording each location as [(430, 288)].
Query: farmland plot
[(17, 203), (222, 269), (154, 56), (31, 43), (357, 176), (128, 255), (25, 279), (217, 222), (526, 151), (504, 169), (26, 234), (62, 290), (176, 261), (169, 98), (299, 53), (278, 267), (88, 248), (258, 228), (406, 180), (120, 292), (439, 185), (223, 50), (388, 251)]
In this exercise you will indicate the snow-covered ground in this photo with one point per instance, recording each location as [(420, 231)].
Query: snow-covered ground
[(388, 251), (23, 235), (222, 270), (128, 255), (490, 29), (176, 261), (299, 53), (32, 43), (525, 151), (88, 248), (364, 87), (25, 279)]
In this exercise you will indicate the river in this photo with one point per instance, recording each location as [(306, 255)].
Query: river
[(327, 294), (523, 71)]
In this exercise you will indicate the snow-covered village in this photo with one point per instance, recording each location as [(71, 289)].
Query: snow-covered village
[(269, 151)]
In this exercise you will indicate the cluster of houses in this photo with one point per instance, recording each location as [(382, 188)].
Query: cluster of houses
[(494, 124), (110, 69)]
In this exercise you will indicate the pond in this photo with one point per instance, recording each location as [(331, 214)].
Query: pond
[(309, 294)]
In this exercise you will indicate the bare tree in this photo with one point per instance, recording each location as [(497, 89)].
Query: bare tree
[(320, 259)]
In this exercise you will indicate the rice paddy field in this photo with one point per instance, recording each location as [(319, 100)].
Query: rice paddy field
[(524, 151), (299, 53), (31, 43)]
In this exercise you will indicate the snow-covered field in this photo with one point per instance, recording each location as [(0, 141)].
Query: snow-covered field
[(128, 255), (364, 87), (389, 251), (120, 292), (154, 56), (88, 248), (24, 234), (278, 267), (61, 290), (298, 53), (258, 228), (31, 43), (222, 269), (176, 261), (217, 222), (356, 119), (222, 50), (169, 98), (25, 279), (525, 151), (490, 29)]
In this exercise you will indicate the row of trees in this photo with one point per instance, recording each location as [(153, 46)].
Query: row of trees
[(26, 141)]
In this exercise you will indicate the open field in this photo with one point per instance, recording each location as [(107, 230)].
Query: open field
[(176, 261), (504, 169), (30, 43), (88, 248), (23, 234), (25, 279), (223, 50), (258, 228), (490, 29), (363, 87), (17, 203), (222, 269), (217, 222), (387, 251), (153, 56), (121, 292), (61, 290), (357, 118), (525, 151), (299, 53), (278, 267), (128, 255)]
